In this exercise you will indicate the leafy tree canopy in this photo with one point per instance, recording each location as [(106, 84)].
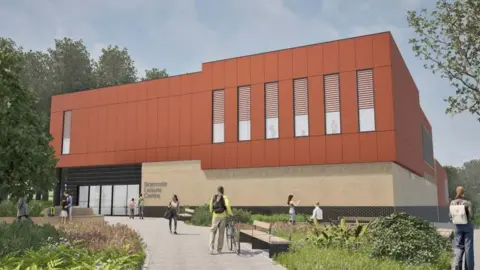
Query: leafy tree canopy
[(155, 73), (115, 67), (468, 176), (448, 39), (27, 161)]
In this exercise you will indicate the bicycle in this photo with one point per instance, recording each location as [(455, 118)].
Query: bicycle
[(232, 236)]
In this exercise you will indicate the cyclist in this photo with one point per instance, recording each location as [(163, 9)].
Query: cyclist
[(220, 209)]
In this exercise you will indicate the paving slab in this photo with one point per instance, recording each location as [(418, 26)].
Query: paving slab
[(189, 249)]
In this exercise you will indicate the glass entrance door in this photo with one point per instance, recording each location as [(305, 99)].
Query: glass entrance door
[(94, 202), (119, 200), (83, 196), (106, 208)]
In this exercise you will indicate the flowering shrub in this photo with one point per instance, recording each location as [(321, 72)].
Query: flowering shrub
[(97, 237), (35, 208)]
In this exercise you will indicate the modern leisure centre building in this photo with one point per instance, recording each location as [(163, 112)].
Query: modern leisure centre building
[(338, 122)]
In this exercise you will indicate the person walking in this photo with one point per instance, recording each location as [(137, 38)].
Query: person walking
[(291, 209), (63, 213), (220, 208), (461, 214), (131, 206), (317, 215), (69, 205), (141, 204), (173, 207), (22, 208)]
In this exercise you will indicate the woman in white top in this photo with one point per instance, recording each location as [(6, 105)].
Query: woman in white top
[(173, 206), (317, 214), (291, 210)]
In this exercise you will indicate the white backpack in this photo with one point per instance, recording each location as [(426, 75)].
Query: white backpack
[(458, 214)]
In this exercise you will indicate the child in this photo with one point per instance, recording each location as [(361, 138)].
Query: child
[(317, 215), (131, 205), (64, 213)]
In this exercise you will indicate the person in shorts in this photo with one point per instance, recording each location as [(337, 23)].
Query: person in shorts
[(131, 207), (64, 213), (69, 201)]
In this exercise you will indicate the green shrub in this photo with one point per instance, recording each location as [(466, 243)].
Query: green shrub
[(202, 216), (338, 236), (71, 257), (406, 238), (241, 215), (278, 218), (311, 257), (17, 237), (35, 208)]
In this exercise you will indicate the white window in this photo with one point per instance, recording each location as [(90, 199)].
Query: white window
[(366, 103), (218, 116), (332, 104), (244, 113), (271, 110), (300, 94), (67, 127)]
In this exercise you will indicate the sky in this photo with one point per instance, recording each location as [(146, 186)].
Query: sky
[(179, 35)]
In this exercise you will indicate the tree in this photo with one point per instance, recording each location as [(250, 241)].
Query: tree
[(36, 74), (72, 68), (115, 67), (154, 73), (468, 176), (448, 39), (27, 164)]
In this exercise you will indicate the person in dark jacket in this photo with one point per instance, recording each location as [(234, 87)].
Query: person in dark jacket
[(22, 208)]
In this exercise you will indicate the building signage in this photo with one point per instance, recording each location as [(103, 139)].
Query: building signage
[(153, 190)]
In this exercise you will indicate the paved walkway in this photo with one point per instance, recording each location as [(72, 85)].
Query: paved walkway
[(189, 249)]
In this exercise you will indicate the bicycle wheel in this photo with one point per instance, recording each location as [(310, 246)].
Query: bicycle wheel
[(230, 239)]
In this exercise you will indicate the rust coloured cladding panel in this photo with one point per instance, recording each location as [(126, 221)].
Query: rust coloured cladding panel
[(330, 57), (300, 88), (351, 148), (141, 136), (302, 151), (231, 73), (218, 156), (315, 59), (286, 121), (300, 62), (201, 128), (272, 153), (257, 112), (243, 70), (102, 129), (162, 122), (383, 92), (316, 106), (332, 93), (346, 55), (287, 152), (364, 52), (185, 119), (231, 114), (111, 127), (174, 121), (257, 153), (231, 155), (257, 68), (152, 121), (285, 64), (271, 100), (219, 107), (348, 103), (271, 66), (218, 76)]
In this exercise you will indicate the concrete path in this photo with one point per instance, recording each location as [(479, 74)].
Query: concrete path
[(189, 249)]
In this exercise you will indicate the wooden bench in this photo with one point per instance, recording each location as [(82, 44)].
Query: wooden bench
[(260, 236), (187, 215)]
